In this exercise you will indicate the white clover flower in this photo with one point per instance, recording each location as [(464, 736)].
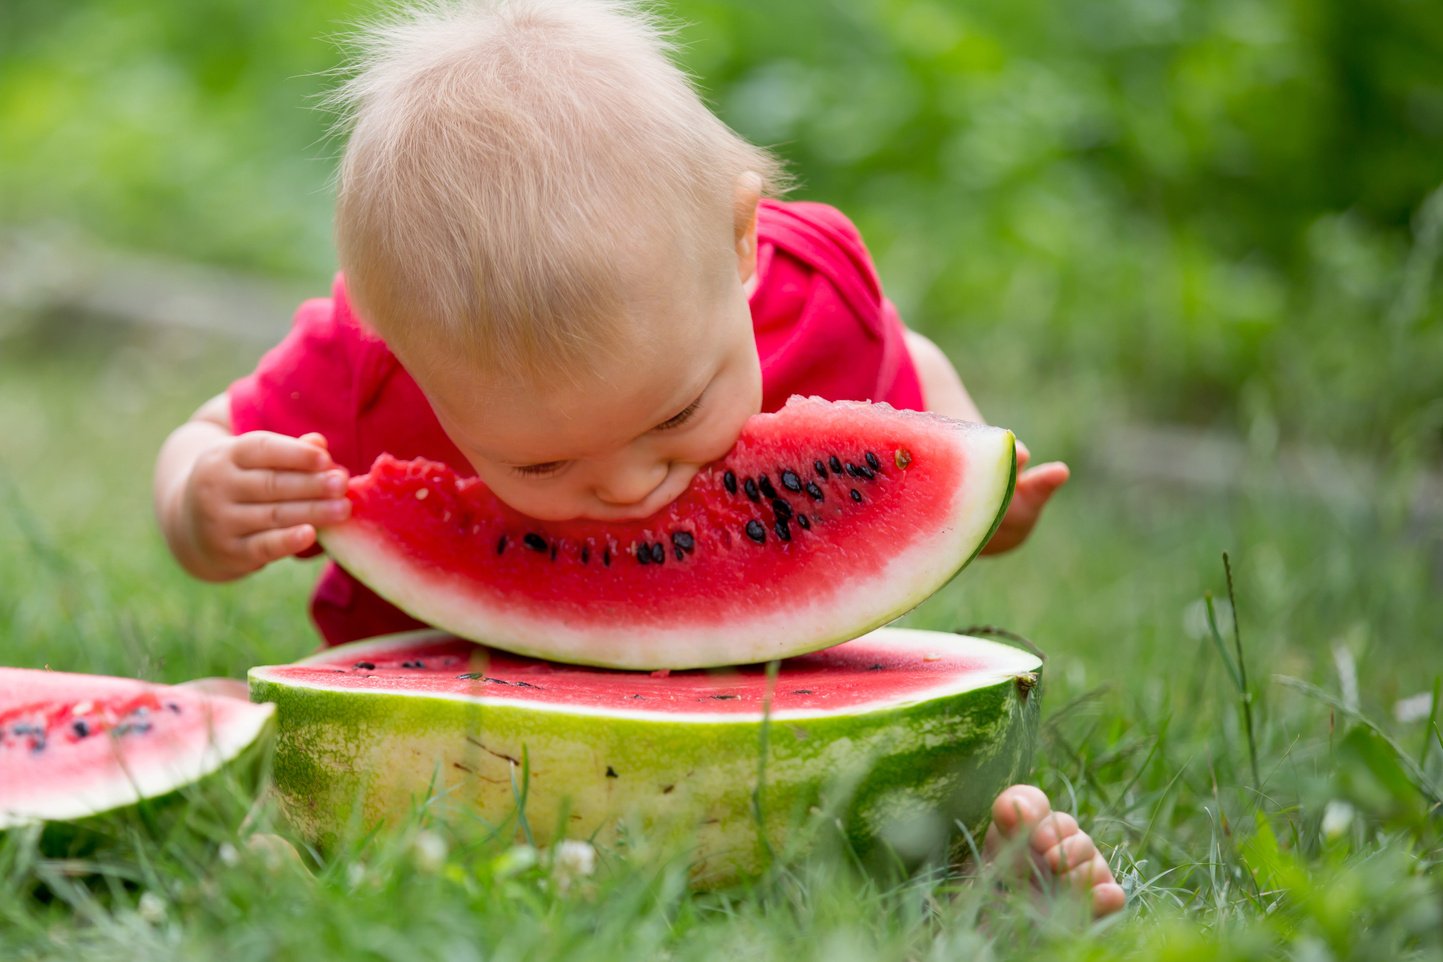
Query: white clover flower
[(571, 861), (429, 851), (1337, 817), (151, 908)]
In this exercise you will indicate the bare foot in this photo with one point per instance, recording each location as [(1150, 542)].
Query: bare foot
[(1056, 847)]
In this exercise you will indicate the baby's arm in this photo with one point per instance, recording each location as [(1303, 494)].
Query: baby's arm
[(942, 392), (230, 504)]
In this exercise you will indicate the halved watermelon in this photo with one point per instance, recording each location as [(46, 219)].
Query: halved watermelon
[(75, 746), (825, 521), (903, 733)]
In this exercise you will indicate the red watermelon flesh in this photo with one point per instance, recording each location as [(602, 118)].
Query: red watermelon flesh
[(825, 520), (73, 746), (880, 670)]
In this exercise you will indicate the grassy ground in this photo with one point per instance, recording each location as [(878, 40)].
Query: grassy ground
[(1327, 846)]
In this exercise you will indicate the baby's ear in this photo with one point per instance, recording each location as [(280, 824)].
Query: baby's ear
[(745, 198)]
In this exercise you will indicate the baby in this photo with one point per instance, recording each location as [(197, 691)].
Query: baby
[(561, 272)]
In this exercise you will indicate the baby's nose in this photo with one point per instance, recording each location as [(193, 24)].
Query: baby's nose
[(630, 482)]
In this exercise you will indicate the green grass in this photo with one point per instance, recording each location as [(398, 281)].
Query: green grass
[(1144, 733)]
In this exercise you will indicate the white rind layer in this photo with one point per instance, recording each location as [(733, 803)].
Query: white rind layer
[(754, 633)]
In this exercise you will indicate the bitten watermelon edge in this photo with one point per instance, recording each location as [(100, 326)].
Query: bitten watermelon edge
[(827, 519)]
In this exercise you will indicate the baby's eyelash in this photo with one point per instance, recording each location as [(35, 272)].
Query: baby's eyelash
[(539, 470), (680, 418)]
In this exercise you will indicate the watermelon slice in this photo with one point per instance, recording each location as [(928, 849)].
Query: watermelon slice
[(903, 733), (75, 746), (825, 521)]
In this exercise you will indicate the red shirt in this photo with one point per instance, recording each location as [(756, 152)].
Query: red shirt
[(822, 328)]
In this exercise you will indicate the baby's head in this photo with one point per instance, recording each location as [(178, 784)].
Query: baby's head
[(555, 236)]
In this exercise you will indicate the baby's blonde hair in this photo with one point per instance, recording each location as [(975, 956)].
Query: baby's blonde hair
[(514, 168)]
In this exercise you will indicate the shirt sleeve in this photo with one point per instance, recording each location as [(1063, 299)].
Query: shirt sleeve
[(310, 381), (822, 324)]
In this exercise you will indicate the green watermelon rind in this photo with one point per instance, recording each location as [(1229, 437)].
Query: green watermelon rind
[(346, 761), (911, 577)]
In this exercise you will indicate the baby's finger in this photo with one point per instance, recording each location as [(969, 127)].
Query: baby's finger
[(262, 449), (1023, 455), (1041, 481), (262, 548), (266, 485), (275, 515)]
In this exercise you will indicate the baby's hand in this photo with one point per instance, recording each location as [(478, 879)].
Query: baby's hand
[(1035, 487), (257, 497)]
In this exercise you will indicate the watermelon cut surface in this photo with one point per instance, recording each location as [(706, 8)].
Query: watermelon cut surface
[(903, 733), (74, 746), (826, 520)]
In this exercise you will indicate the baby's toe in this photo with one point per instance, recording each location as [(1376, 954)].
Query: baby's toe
[(1096, 875), (1075, 852), (1018, 809), (1107, 898), (1053, 830)]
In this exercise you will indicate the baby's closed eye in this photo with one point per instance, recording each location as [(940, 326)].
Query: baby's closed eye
[(543, 470)]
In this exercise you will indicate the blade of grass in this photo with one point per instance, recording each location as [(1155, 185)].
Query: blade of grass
[(1432, 726), (1415, 773), (1238, 671)]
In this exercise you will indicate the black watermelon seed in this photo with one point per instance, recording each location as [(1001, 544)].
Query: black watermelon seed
[(836, 464), (724, 697), (611, 772), (821, 469), (729, 481), (853, 470), (866, 472), (534, 541), (643, 553), (872, 462), (801, 691), (683, 540), (172, 707), (501, 544), (414, 663), (790, 481), (782, 508), (755, 531), (783, 532), (658, 553), (765, 483), (80, 728), (366, 665), (606, 557), (814, 491), (553, 552), (856, 495), (751, 489), (805, 522), (680, 554), (585, 555)]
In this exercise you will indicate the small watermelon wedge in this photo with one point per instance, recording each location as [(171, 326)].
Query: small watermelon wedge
[(827, 519), (904, 734), (77, 747)]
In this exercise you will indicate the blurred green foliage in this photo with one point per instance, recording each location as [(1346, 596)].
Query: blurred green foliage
[(1213, 209)]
